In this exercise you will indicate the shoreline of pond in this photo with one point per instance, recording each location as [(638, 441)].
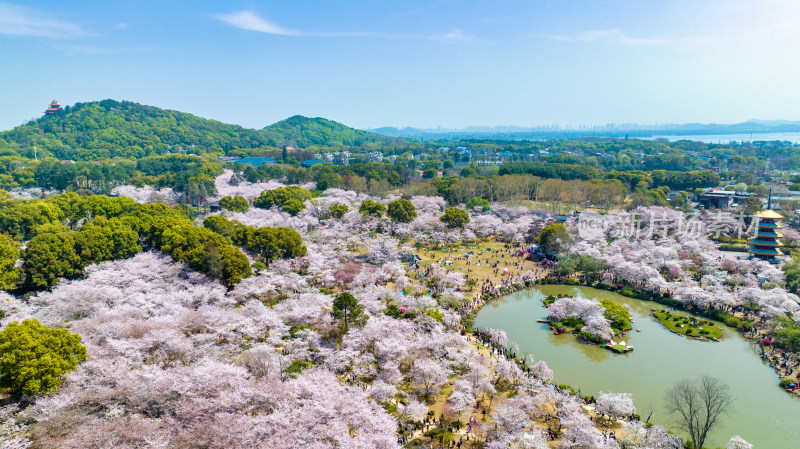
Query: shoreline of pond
[(510, 289), (661, 359)]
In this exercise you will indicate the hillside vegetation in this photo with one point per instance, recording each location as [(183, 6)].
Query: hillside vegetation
[(305, 132), (107, 129)]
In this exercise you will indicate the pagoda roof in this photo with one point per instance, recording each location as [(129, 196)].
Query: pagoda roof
[(770, 225), (769, 214), (764, 242), (766, 251)]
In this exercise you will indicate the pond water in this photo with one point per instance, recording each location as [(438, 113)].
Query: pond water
[(762, 413)]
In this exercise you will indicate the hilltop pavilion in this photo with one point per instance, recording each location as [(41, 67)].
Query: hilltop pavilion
[(54, 107)]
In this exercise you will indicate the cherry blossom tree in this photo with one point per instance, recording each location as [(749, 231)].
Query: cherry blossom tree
[(532, 439), (615, 405), (428, 375), (508, 417), (737, 442), (588, 311), (541, 370), (462, 398), (652, 436), (148, 194)]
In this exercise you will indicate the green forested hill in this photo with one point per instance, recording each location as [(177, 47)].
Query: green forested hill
[(108, 128), (305, 132)]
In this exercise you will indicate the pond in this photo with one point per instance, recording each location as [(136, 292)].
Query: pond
[(762, 413)]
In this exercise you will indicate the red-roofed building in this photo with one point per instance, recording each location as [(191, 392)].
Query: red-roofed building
[(54, 107)]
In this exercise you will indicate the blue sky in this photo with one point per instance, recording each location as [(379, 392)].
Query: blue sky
[(409, 63)]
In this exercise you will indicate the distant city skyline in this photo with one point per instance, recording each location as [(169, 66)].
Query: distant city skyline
[(422, 64)]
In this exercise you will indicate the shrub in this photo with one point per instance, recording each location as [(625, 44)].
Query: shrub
[(569, 389), (591, 337), (258, 266), (392, 311)]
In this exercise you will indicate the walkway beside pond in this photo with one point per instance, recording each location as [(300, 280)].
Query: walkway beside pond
[(764, 415)]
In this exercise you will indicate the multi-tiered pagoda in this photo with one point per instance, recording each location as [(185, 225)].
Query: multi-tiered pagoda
[(54, 107), (765, 244)]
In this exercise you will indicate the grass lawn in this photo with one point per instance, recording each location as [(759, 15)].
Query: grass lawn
[(688, 325), (493, 252), (619, 348)]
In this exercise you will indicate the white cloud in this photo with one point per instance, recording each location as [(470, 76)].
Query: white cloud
[(250, 21), (21, 21), (614, 36), (455, 35), (247, 20)]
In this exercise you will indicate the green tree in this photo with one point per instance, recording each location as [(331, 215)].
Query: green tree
[(9, 253), (617, 314), (98, 205), (401, 211), (19, 219), (792, 271), (236, 203), (49, 257), (591, 266), (203, 250), (455, 217), (477, 201), (787, 334), (101, 239), (188, 243), (272, 243), (72, 205), (347, 309), (553, 238), (338, 210), (235, 266), (278, 197), (293, 207), (751, 206), (220, 225), (34, 358), (371, 208)]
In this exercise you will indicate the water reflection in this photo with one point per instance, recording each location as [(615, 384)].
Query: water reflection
[(764, 415)]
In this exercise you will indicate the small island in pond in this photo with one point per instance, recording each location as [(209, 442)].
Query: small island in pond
[(688, 325), (593, 321)]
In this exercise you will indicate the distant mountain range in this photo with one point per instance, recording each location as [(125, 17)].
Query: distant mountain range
[(614, 130)]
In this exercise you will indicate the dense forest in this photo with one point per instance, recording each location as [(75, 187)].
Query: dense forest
[(108, 129)]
